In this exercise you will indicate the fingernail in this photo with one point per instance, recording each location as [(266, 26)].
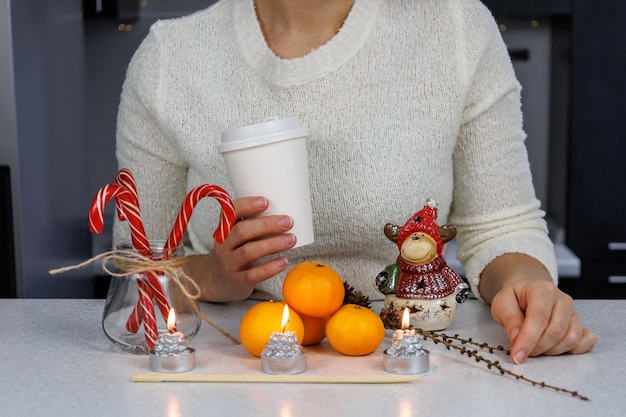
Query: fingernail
[(281, 263), (519, 357), (260, 202), (285, 222), (289, 239)]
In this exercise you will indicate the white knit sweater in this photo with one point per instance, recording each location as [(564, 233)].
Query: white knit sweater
[(410, 100)]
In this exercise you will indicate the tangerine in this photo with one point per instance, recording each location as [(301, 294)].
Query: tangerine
[(313, 289), (261, 320), (354, 330), (314, 329)]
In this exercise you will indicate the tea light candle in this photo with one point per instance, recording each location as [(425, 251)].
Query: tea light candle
[(406, 354), (170, 353), (282, 353)]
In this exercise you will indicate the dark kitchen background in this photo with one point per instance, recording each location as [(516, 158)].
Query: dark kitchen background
[(62, 64)]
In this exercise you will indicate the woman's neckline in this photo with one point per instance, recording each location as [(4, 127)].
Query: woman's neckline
[(318, 62)]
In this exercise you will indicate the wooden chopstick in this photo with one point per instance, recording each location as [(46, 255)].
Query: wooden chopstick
[(266, 378)]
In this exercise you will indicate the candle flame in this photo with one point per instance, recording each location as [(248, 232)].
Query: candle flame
[(405, 319), (171, 320), (285, 320)]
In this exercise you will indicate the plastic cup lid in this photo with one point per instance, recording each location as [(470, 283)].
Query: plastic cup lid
[(272, 129)]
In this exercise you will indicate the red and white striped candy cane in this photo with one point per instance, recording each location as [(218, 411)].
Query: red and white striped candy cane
[(125, 178), (130, 213), (104, 195), (227, 218), (149, 318)]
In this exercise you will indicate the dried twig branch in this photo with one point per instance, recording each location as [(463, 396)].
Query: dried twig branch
[(470, 341), (449, 343), (392, 320)]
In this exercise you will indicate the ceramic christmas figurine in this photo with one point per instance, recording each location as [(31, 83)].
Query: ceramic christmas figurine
[(421, 279)]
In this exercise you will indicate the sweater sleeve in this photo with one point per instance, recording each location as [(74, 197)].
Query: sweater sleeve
[(144, 145), (494, 205)]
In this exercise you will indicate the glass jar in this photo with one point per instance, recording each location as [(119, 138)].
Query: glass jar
[(123, 298)]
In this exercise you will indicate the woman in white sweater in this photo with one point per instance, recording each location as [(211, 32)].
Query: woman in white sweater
[(404, 100)]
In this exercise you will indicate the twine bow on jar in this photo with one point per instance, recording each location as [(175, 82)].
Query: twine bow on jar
[(124, 191), (129, 262)]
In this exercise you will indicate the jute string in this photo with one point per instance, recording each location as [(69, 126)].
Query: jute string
[(129, 262)]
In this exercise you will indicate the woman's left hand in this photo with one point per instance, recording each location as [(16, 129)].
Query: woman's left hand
[(538, 317)]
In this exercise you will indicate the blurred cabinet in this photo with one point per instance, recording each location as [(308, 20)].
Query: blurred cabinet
[(123, 9), (587, 135), (596, 223), (7, 253)]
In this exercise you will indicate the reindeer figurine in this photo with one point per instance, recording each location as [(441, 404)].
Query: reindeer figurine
[(421, 279)]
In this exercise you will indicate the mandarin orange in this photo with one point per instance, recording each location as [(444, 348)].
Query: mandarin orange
[(354, 330), (314, 329), (261, 320), (313, 289)]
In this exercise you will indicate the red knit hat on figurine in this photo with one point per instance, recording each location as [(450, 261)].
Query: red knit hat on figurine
[(425, 221)]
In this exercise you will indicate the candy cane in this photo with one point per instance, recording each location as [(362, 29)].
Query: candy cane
[(125, 178), (149, 319), (104, 195), (130, 213), (227, 218)]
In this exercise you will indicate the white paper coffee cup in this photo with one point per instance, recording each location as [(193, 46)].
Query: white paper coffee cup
[(270, 159)]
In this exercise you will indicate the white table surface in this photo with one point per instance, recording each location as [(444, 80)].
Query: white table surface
[(56, 361)]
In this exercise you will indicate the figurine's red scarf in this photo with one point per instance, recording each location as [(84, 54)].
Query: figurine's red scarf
[(428, 281)]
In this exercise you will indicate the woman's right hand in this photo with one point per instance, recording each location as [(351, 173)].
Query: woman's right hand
[(231, 271)]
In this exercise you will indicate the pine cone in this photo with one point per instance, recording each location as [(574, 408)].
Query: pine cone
[(390, 317), (353, 296)]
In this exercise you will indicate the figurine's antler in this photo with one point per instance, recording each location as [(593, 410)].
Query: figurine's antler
[(447, 232), (392, 231)]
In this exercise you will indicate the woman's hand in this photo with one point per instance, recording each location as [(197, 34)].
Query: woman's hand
[(231, 271), (539, 318)]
